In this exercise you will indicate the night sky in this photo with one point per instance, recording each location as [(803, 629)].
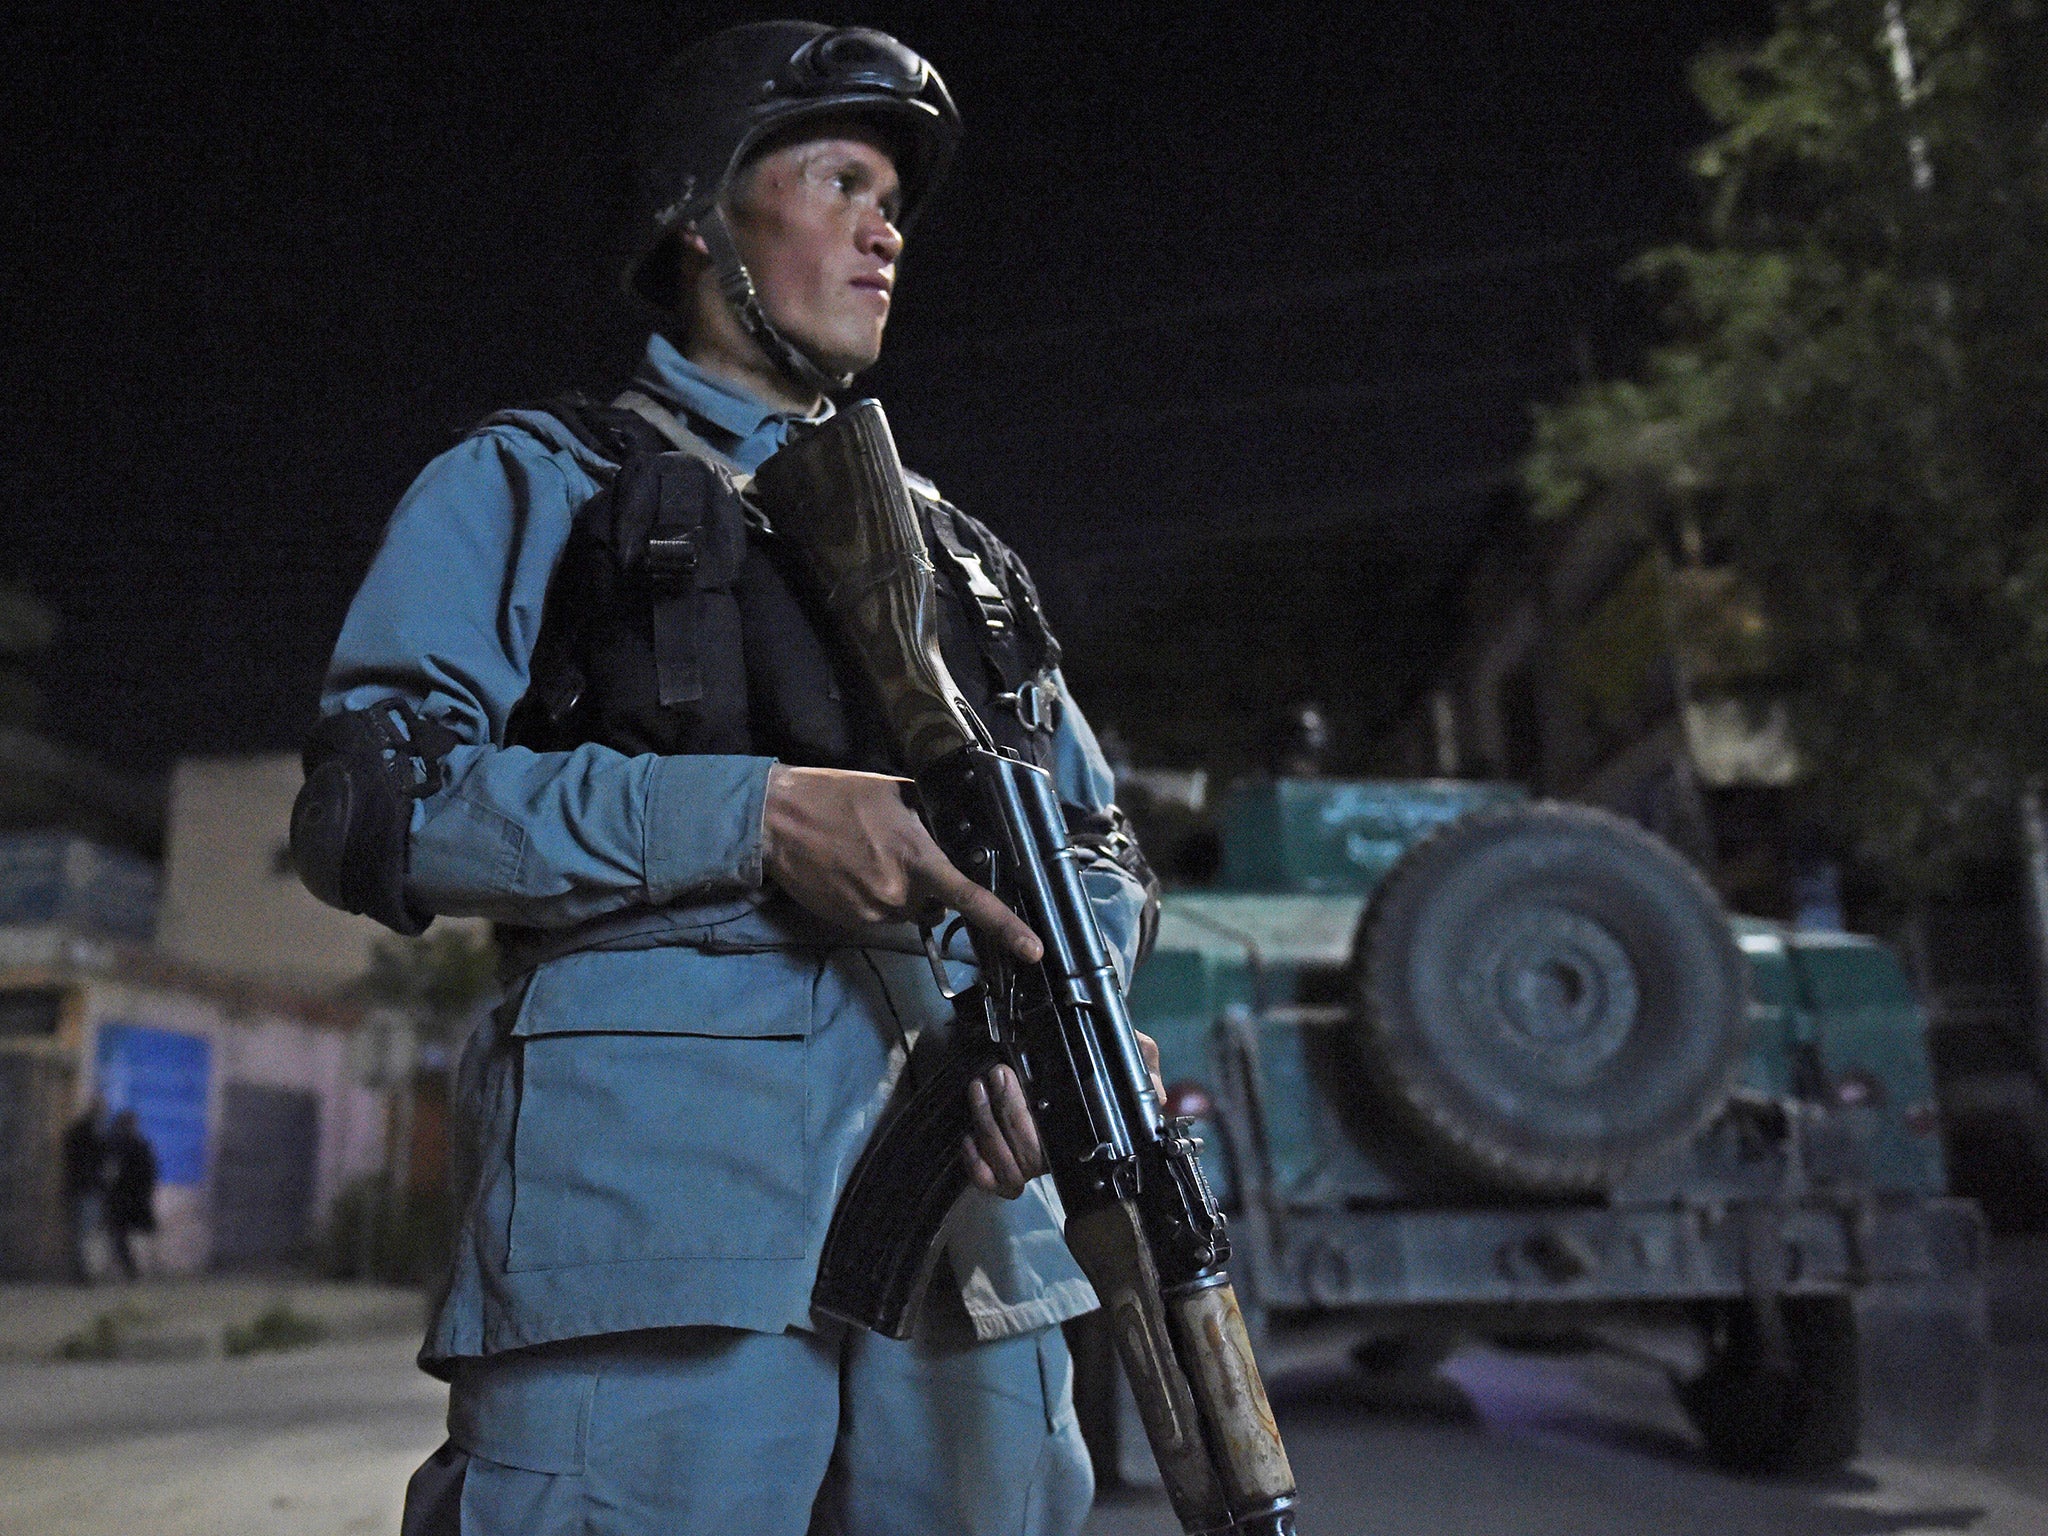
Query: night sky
[(1231, 325)]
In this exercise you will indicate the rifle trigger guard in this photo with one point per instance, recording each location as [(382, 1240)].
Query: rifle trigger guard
[(934, 952)]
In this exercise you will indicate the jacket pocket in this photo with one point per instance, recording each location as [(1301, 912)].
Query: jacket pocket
[(528, 1409), (670, 1131)]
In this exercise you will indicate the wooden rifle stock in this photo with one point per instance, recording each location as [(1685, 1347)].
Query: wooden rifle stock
[(1141, 1221)]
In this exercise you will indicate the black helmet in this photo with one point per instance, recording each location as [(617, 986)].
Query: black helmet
[(712, 106)]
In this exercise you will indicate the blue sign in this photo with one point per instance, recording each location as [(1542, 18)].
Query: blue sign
[(162, 1076)]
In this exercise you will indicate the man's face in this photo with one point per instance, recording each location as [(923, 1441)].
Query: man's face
[(814, 221)]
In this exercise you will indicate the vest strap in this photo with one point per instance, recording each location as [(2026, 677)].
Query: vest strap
[(687, 561), (996, 616), (679, 436), (677, 677)]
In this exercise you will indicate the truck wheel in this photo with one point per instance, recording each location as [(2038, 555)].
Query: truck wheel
[(1799, 1412), (1547, 998)]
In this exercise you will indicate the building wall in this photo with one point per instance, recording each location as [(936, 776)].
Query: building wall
[(248, 1043), (271, 1051), (37, 1080), (183, 1243), (231, 901)]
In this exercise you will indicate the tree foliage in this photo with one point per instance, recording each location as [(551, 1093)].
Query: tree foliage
[(438, 977), (1853, 404)]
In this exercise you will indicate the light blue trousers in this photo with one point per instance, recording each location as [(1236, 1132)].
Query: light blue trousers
[(696, 1431)]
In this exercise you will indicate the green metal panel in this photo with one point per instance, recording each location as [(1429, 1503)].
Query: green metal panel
[(1871, 1037), (1176, 998), (1317, 835), (1301, 857), (1315, 1160), (1273, 930), (1298, 1122), (1773, 1001), (1848, 971), (1218, 949), (1192, 975)]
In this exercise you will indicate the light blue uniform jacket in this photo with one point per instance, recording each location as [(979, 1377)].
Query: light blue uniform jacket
[(649, 1136)]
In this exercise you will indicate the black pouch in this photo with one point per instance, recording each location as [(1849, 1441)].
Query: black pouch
[(640, 644)]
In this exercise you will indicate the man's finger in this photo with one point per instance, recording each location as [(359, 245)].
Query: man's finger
[(990, 1143), (1013, 1118), (1149, 1049), (982, 908), (978, 1171)]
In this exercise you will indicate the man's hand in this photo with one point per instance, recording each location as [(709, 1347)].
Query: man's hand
[(1002, 1148), (844, 846)]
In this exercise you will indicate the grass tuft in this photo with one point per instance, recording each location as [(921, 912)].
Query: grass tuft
[(276, 1327)]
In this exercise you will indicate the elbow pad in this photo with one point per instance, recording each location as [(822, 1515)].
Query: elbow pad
[(351, 821), (1106, 837)]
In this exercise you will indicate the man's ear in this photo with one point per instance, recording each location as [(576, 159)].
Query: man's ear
[(692, 258)]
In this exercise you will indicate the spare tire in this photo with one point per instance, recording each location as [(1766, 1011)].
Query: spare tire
[(1548, 997)]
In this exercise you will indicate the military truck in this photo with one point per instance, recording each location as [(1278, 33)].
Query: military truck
[(1468, 1066)]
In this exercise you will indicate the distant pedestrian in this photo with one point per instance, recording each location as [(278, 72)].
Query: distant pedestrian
[(85, 1182), (131, 1189)]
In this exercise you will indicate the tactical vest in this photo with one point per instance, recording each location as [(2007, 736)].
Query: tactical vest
[(678, 622)]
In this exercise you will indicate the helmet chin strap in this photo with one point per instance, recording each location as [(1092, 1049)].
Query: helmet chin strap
[(737, 284)]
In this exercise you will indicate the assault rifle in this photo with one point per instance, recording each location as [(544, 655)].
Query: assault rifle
[(1141, 1220)]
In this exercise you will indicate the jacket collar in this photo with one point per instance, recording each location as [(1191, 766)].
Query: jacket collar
[(735, 419)]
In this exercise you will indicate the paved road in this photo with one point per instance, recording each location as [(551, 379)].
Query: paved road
[(1518, 1446), (183, 1318), (319, 1442)]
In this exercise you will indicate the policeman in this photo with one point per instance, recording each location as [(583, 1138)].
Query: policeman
[(711, 985)]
